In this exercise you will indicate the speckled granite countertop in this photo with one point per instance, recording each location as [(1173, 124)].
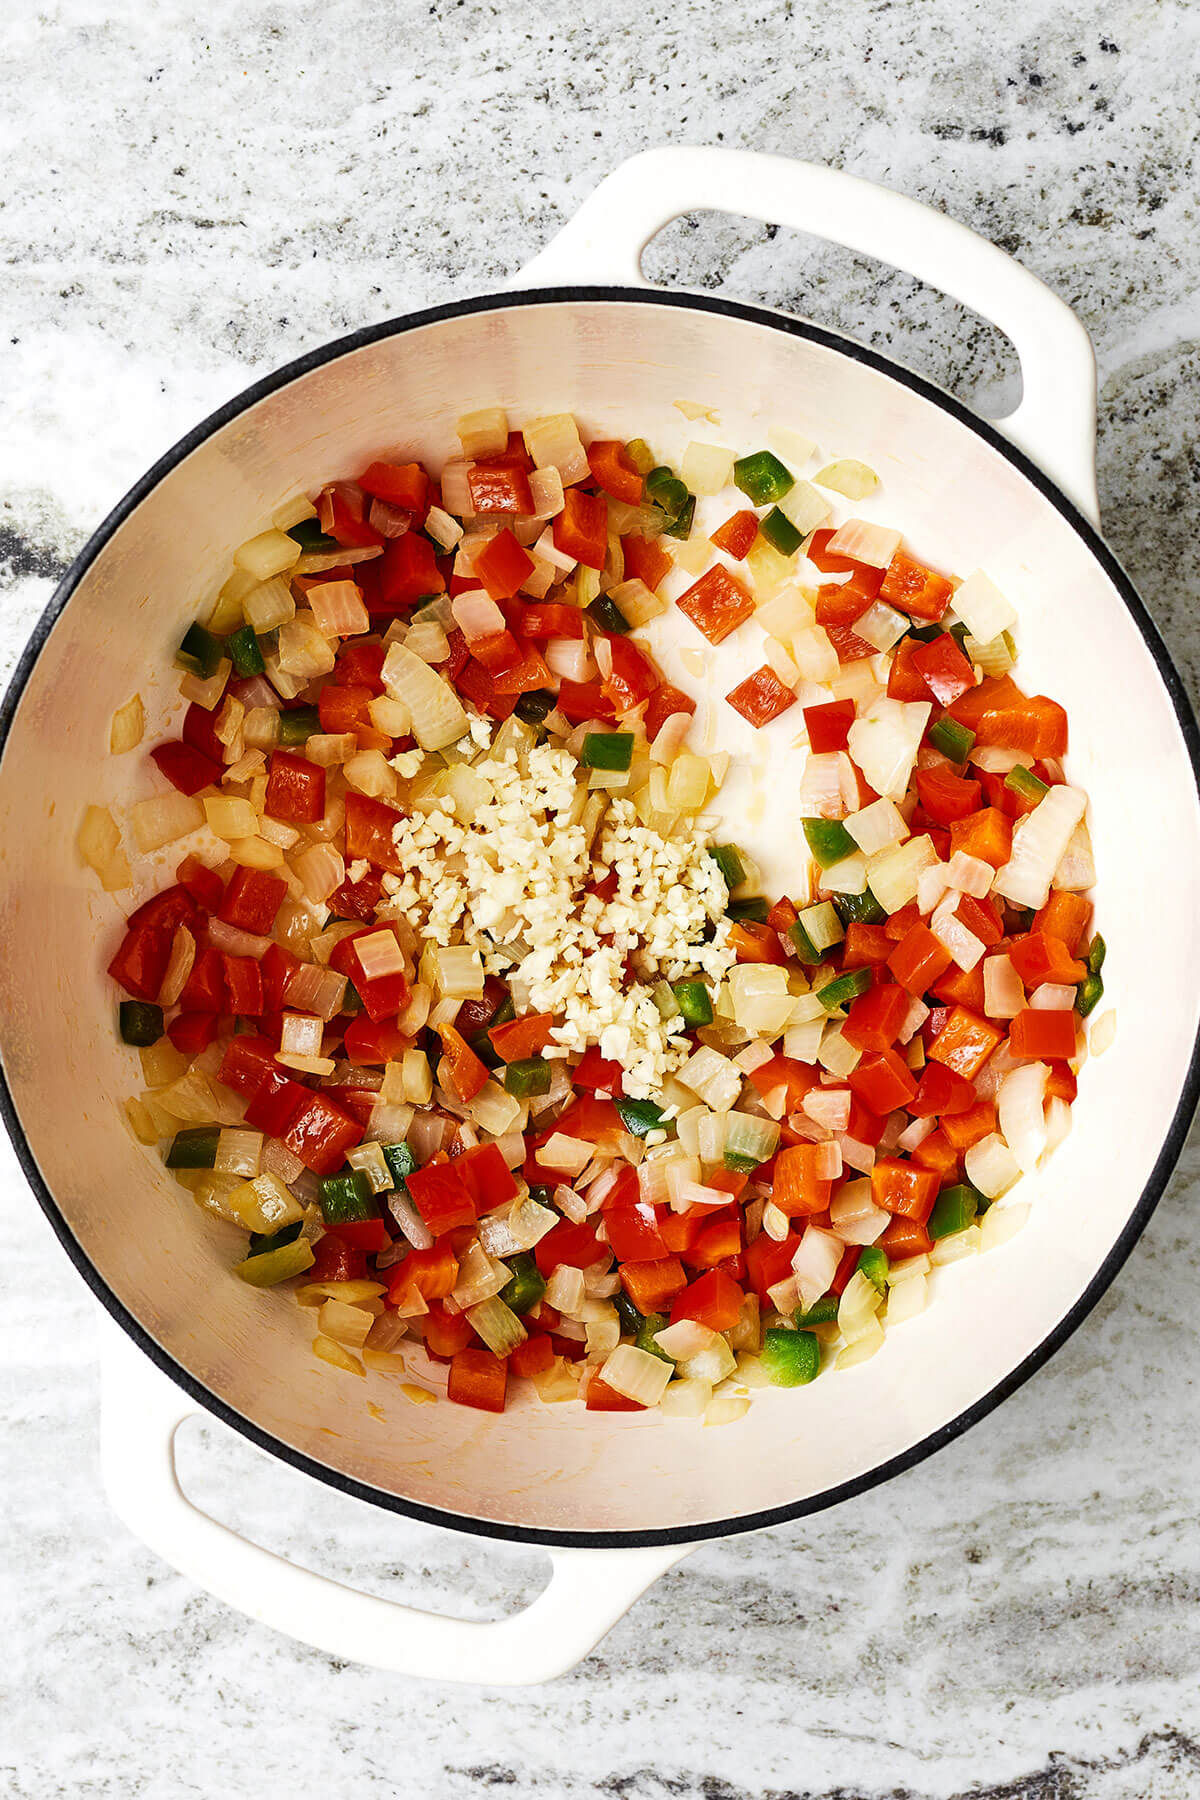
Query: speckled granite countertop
[(194, 195)]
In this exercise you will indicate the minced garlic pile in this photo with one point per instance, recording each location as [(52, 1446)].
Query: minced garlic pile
[(510, 882)]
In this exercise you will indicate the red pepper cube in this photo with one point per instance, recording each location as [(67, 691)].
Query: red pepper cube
[(525, 674), (964, 1043), (663, 702), (946, 796), (717, 604), (1040, 958), (574, 1245), (533, 1357), (547, 619), (848, 645), (295, 786), (963, 1129), (367, 1044), (184, 767), (252, 900), (903, 1188), (320, 1135), (204, 989), (905, 681), (883, 1081), (441, 1196), (498, 488), (941, 1091), (797, 1189), (276, 1102), (632, 678), (336, 1260), (369, 827), (278, 965), (645, 560), (866, 946), (479, 1379), (918, 959), (408, 571), (914, 589), (244, 985), (601, 1398), (247, 1063), (1038, 1035), (769, 1262), (580, 700), (612, 469), (502, 566), (761, 697), (633, 1233), (737, 534), (360, 665), (936, 1152), (202, 883), (141, 962), (841, 603), (714, 1300), (488, 1178), (944, 669), (828, 726), (875, 1018), (581, 528), (904, 1238), (405, 485)]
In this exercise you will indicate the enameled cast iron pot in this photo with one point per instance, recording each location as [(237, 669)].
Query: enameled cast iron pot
[(616, 1498)]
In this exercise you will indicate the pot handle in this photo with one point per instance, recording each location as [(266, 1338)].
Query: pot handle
[(588, 1591), (1055, 423)]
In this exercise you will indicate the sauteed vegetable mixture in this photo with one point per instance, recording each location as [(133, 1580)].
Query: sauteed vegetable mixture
[(465, 1007)]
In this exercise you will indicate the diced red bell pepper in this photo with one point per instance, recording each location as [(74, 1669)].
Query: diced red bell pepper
[(589, 1118), (200, 731), (918, 960), (532, 1357), (521, 1038), (547, 619), (441, 1196), (866, 946), (980, 917), (408, 570), (246, 1064), (713, 1300), (829, 562), (1042, 1035), (275, 1103), (941, 1091), (883, 1081), (715, 1243), (204, 990), (768, 1262), (761, 697), (342, 707), (633, 1233), (574, 1245), (875, 1018), (847, 643), (599, 1397), (477, 1378), (244, 984), (797, 1189), (964, 1043), (829, 725), (905, 681), (581, 528), (252, 900), (369, 827), (460, 1068), (986, 834), (754, 942), (717, 603), (795, 1079), (1001, 715), (904, 1238), (963, 1129), (737, 534), (664, 701), (405, 485), (633, 677), (368, 1042), (651, 1284), (645, 560), (342, 511), (503, 566), (357, 899), (783, 915), (936, 1152), (580, 700), (1040, 958), (841, 604), (487, 1177), (202, 883), (944, 669), (914, 589), (321, 1133), (184, 767), (360, 664), (431, 1273), (612, 469), (446, 1333), (497, 487), (278, 965), (946, 796), (141, 962), (368, 1235), (192, 1032), (598, 1074), (295, 786), (1064, 916), (334, 1259), (903, 1188)]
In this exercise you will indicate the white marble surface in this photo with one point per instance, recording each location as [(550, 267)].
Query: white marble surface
[(192, 195)]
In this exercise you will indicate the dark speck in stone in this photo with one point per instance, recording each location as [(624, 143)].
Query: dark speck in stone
[(19, 557)]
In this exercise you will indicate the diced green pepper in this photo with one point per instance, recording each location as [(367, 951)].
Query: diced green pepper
[(805, 949), (728, 859), (607, 750), (780, 533), (1097, 951), (951, 738), (348, 1197), (351, 1000), (605, 613), (846, 987), (274, 1240), (1024, 782), (829, 841), (273, 1266), (928, 634), (640, 1116), (530, 1076), (481, 1044), (762, 478), (640, 455), (1088, 994), (543, 1195), (200, 651), (954, 1209), (534, 707), (822, 1312), (873, 1263), (298, 723), (859, 909), (645, 1338), (311, 539), (526, 1285), (790, 1358), (739, 1164), (694, 1002), (681, 525), (141, 1022), (244, 652), (195, 1147), (666, 490), (628, 1316), (754, 906), (504, 1014)]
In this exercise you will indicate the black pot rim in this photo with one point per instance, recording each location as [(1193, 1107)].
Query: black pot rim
[(682, 1535)]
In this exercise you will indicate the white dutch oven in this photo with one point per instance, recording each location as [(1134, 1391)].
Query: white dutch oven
[(616, 1498)]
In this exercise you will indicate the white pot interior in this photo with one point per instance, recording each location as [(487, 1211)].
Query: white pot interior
[(620, 366)]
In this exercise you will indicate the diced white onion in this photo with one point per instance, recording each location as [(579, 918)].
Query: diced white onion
[(1039, 841), (815, 1263), (865, 542), (953, 935), (982, 608), (991, 1166), (884, 743), (438, 716), (1003, 989)]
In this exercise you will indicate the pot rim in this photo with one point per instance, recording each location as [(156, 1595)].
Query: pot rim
[(1181, 1119)]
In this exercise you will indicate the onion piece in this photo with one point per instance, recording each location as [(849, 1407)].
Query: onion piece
[(865, 542), (98, 842), (982, 608), (1003, 989), (815, 1263), (885, 741), (438, 716), (1039, 842)]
